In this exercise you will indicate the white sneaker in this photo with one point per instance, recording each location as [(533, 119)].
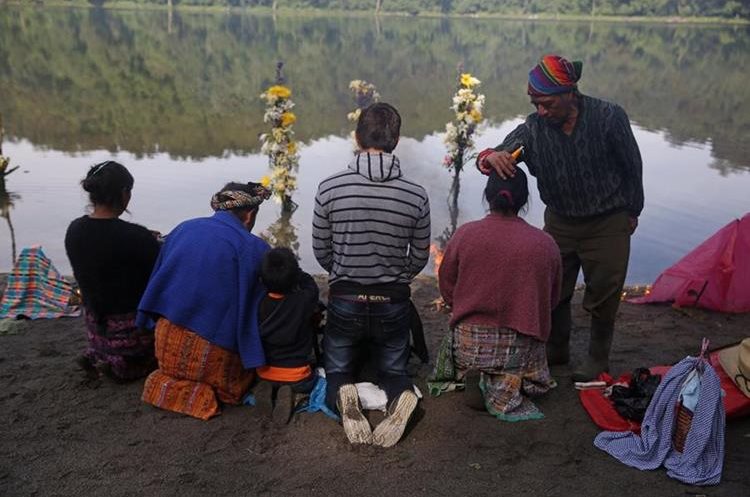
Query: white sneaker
[(356, 426), (391, 429)]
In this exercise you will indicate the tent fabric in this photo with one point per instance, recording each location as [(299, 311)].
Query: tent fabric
[(35, 289), (713, 276)]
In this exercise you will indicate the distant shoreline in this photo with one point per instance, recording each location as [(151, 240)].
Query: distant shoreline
[(312, 12)]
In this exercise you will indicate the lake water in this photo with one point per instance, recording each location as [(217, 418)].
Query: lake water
[(175, 99)]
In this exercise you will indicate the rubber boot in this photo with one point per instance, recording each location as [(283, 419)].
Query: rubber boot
[(600, 344), (558, 345)]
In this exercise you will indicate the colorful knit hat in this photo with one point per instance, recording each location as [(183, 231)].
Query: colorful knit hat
[(554, 75)]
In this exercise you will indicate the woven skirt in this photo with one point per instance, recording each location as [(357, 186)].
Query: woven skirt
[(194, 375), (115, 342), (512, 366)]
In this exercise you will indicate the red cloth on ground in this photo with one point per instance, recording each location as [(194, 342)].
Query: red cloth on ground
[(606, 417), (501, 271)]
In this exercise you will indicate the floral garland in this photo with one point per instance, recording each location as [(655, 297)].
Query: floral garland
[(467, 106), (365, 94), (279, 143)]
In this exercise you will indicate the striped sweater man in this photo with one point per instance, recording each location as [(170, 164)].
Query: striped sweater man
[(371, 225)]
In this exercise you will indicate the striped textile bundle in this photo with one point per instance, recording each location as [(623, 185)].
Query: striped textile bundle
[(35, 289)]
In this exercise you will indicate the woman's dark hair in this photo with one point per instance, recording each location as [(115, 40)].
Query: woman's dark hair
[(106, 182), (507, 196), (379, 127), (279, 270)]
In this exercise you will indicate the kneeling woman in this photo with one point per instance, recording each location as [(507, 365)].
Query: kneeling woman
[(501, 276), (112, 260), (204, 295)]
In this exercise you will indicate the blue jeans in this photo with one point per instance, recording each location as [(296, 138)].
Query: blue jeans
[(384, 326)]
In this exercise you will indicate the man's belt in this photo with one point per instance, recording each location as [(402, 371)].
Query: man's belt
[(372, 299)]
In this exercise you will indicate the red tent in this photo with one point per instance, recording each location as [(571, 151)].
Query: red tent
[(715, 275)]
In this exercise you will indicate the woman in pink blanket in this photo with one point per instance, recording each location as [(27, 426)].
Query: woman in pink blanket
[(501, 277)]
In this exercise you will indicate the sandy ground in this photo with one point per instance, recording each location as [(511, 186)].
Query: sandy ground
[(63, 436)]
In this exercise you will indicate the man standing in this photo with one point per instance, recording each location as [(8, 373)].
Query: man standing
[(371, 232), (588, 169)]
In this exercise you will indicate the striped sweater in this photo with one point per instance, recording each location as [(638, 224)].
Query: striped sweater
[(371, 225)]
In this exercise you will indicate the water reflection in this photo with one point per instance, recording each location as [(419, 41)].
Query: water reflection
[(7, 199), (80, 80), (437, 249), (283, 232), (176, 100), (685, 200)]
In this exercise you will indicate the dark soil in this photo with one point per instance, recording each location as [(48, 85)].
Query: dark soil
[(63, 435)]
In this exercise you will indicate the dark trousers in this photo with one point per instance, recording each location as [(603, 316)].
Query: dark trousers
[(601, 247), (352, 325)]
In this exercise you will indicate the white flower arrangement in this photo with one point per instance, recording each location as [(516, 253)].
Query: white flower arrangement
[(279, 144), (467, 106), (365, 94)]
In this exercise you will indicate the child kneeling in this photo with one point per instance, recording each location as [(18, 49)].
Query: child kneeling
[(286, 331)]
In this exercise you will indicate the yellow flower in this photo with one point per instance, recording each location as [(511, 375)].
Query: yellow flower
[(265, 181), (469, 81), (279, 91), (291, 148), (476, 115), (288, 118), (354, 115)]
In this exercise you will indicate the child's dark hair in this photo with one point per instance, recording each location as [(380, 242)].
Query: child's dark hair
[(279, 270), (507, 196), (106, 182), (379, 127)]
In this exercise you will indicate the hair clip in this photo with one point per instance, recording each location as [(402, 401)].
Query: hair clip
[(99, 168)]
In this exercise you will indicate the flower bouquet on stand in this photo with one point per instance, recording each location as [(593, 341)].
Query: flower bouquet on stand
[(365, 94), (467, 106), (279, 143)]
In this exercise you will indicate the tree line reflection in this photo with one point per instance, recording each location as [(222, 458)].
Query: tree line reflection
[(188, 85)]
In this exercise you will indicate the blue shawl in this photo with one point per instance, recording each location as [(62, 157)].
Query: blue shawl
[(206, 279)]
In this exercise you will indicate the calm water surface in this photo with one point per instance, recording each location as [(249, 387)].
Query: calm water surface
[(175, 99)]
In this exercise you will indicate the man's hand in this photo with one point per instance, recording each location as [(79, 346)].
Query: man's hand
[(502, 162), (633, 224)]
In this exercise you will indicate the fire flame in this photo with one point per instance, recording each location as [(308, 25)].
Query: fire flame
[(437, 256)]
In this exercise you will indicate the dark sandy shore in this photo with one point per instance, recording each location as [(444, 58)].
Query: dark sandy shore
[(63, 436)]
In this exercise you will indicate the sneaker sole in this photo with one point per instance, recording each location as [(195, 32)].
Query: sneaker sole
[(356, 426), (391, 429)]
